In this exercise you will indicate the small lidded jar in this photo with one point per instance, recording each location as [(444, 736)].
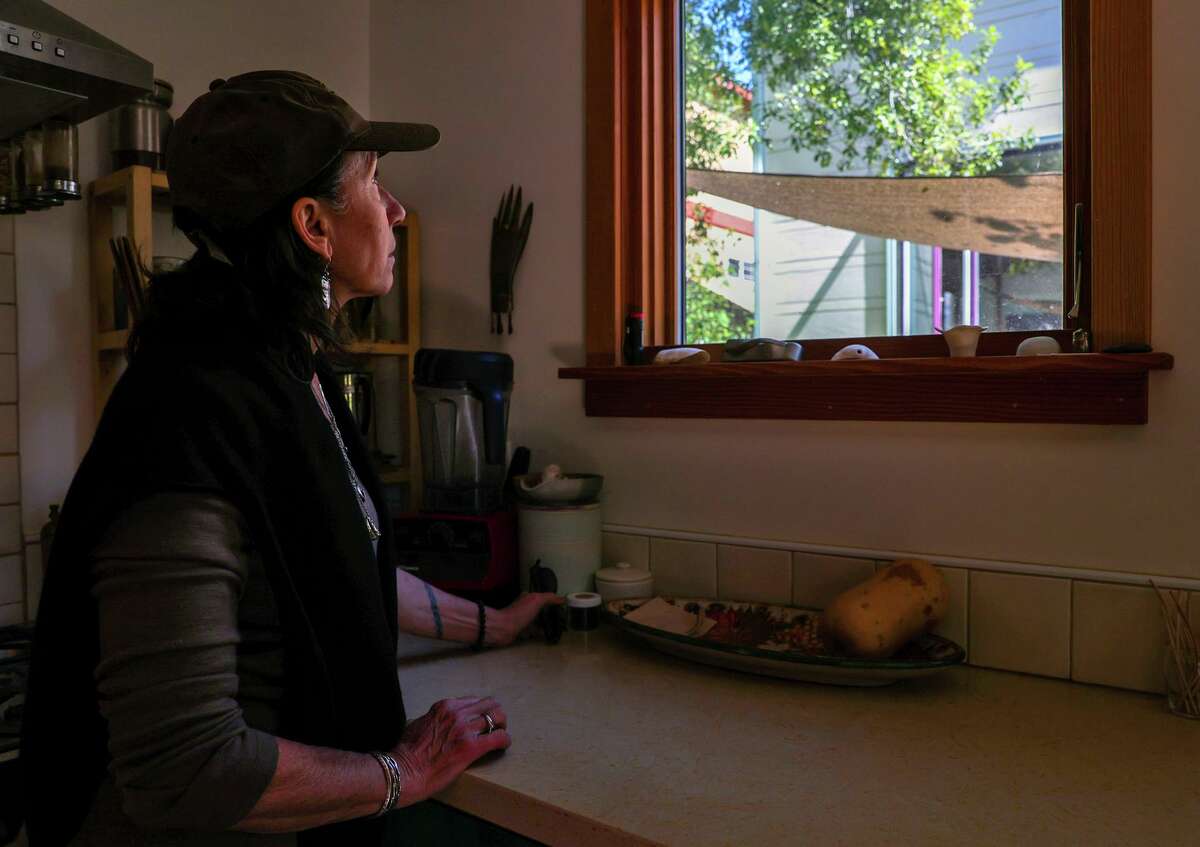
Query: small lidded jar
[(583, 610), (623, 581)]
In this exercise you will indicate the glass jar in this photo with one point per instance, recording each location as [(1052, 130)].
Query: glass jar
[(61, 150), (1183, 685), (10, 195), (34, 193)]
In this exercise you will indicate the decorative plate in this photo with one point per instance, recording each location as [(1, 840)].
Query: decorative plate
[(783, 641)]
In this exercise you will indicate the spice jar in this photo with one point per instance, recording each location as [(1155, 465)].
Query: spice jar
[(61, 151), (10, 186), (34, 194)]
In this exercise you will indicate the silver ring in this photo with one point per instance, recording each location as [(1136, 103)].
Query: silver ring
[(490, 721)]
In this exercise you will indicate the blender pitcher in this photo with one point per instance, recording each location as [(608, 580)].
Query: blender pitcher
[(462, 410)]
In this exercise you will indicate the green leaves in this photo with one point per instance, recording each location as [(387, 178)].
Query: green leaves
[(875, 85)]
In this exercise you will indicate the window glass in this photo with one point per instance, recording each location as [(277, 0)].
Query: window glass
[(872, 167)]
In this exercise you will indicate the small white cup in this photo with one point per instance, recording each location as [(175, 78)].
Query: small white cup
[(963, 340)]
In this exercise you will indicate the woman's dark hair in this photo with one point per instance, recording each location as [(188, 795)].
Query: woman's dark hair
[(271, 293)]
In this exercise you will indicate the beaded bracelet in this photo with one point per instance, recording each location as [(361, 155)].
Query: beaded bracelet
[(391, 772)]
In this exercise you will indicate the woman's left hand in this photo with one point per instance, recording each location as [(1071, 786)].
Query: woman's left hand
[(517, 616)]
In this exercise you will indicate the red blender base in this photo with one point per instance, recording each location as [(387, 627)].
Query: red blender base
[(472, 556)]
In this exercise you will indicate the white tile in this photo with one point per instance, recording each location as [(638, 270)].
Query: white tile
[(8, 428), (12, 580), (33, 578), (6, 234), (8, 329), (8, 379), (683, 568), (8, 279), (955, 624), (10, 529), (817, 579), (620, 547), (12, 613), (754, 574), (10, 480), (1117, 636), (1020, 623)]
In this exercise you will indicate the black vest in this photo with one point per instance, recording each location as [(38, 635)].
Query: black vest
[(243, 424)]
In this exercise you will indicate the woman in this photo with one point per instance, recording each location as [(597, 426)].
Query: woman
[(215, 655)]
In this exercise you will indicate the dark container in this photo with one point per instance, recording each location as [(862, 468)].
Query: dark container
[(583, 610), (634, 333)]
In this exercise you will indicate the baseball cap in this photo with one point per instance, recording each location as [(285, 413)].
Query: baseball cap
[(254, 139)]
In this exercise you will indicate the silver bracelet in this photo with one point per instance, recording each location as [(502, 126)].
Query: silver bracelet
[(391, 772)]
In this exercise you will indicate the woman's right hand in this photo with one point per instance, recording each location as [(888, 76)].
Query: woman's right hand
[(442, 743)]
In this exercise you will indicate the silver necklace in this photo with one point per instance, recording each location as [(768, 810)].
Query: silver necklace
[(372, 529)]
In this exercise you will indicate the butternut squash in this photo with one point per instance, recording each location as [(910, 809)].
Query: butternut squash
[(876, 618)]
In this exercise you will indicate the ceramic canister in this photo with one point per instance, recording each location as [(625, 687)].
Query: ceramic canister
[(565, 539)]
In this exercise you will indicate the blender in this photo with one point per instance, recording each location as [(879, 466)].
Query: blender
[(464, 539)]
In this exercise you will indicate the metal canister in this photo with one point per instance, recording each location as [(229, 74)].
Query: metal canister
[(138, 131)]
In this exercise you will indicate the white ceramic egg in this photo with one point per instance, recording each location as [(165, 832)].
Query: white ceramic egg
[(1038, 345), (854, 351)]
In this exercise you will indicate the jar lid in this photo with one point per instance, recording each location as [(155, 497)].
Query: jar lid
[(583, 600), (622, 572)]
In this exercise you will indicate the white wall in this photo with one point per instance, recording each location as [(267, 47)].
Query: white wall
[(504, 81), (190, 43)]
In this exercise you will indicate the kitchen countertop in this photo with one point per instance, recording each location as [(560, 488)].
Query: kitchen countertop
[(616, 744)]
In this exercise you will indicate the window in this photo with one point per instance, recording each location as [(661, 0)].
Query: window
[(638, 213), (901, 165)]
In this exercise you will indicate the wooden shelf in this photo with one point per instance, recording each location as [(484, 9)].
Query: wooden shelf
[(116, 186), (115, 340), (391, 476), (111, 342), (1090, 388), (379, 348)]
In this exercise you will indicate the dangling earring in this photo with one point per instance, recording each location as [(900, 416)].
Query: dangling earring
[(326, 279)]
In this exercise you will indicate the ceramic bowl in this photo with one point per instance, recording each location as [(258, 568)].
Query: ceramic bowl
[(568, 488), (963, 340)]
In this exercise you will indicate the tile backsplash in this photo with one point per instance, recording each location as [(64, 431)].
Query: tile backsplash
[(1057, 626), (818, 579), (1117, 636), (686, 568), (754, 574), (13, 578), (1021, 623)]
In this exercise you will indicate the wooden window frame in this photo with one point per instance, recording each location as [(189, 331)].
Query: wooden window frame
[(633, 185)]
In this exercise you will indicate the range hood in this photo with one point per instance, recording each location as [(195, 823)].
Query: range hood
[(52, 66)]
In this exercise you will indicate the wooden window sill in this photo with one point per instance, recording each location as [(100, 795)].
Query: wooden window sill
[(1086, 388)]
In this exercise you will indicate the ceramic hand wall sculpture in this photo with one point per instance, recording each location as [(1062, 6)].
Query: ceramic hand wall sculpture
[(510, 231)]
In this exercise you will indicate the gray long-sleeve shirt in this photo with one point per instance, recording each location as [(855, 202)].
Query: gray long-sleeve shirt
[(190, 675)]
